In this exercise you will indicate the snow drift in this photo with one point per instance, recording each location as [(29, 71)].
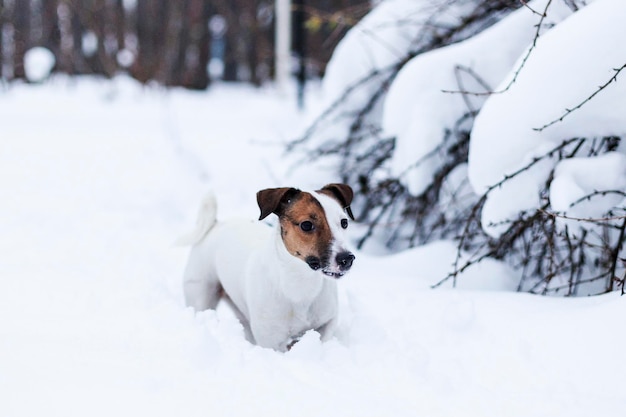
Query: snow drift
[(92, 320)]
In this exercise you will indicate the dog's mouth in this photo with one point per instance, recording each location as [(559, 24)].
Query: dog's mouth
[(331, 274), (332, 271)]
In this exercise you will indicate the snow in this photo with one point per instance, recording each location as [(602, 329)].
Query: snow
[(367, 55), (385, 36), (376, 42), (419, 108), (99, 178), (38, 63), (572, 183), (504, 137)]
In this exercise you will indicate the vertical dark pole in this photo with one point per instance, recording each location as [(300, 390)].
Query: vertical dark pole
[(299, 44), (77, 60), (1, 39), (119, 18), (21, 23), (50, 32)]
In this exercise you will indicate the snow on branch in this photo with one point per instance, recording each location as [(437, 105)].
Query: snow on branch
[(523, 61), (582, 103), (468, 166), (553, 255), (581, 219)]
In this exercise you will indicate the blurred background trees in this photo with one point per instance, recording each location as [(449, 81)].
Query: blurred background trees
[(175, 43)]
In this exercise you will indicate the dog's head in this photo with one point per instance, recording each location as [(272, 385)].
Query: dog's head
[(313, 224)]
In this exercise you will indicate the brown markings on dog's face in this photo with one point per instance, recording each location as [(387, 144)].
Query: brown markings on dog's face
[(305, 230)]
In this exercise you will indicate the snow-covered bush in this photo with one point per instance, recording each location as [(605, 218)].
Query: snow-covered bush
[(501, 128), (552, 145), (347, 139)]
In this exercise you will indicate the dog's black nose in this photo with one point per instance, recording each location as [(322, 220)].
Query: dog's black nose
[(344, 260)]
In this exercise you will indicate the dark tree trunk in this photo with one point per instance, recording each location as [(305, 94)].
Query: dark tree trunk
[(252, 48), (2, 11), (170, 40), (230, 62), (21, 20), (171, 68), (50, 32), (199, 24), (119, 23), (231, 40), (77, 58), (177, 67), (101, 62), (152, 18)]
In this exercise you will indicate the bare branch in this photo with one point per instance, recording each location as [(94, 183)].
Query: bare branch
[(521, 65), (597, 193), (535, 160), (581, 219), (550, 257), (525, 4), (458, 69), (566, 286), (464, 235), (582, 103)]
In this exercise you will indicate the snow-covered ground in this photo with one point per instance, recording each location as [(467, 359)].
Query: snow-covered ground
[(97, 181)]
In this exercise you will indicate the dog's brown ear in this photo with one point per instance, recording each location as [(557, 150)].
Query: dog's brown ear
[(269, 199), (343, 193)]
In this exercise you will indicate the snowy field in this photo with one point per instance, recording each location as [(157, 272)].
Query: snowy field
[(98, 179)]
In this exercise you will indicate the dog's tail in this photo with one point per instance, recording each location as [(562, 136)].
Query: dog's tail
[(207, 217)]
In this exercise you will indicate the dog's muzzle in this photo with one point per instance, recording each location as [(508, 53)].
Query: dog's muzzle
[(343, 262), (313, 262)]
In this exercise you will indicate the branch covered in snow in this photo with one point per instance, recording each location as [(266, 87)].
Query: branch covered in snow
[(348, 131), (585, 219), (554, 254), (523, 61), (585, 101), (469, 166)]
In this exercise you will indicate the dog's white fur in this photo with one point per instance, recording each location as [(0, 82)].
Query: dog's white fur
[(276, 295)]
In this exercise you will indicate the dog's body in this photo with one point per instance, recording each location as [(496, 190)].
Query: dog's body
[(281, 281)]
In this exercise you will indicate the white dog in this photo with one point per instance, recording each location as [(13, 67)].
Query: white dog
[(280, 282)]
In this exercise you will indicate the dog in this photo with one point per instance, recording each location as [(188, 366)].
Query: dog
[(282, 282)]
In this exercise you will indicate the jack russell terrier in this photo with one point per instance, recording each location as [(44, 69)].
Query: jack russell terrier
[(280, 283)]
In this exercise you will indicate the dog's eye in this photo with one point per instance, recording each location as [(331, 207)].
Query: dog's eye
[(306, 226), (344, 223)]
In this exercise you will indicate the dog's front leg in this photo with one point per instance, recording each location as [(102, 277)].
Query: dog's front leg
[(327, 330), (271, 334)]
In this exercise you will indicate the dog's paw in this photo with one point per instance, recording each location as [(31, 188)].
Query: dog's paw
[(306, 346)]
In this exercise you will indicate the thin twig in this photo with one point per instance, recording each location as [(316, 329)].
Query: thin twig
[(582, 281), (581, 219), (525, 4), (335, 104), (582, 103), (457, 74), (478, 206), (521, 65), (597, 193), (464, 235), (615, 255), (535, 161)]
